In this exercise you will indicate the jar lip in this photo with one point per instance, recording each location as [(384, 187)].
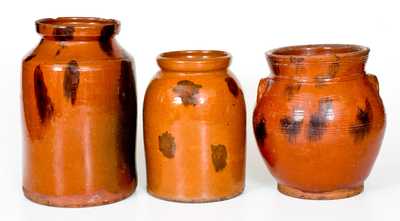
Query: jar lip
[(194, 55), (318, 53), (79, 26), (194, 60)]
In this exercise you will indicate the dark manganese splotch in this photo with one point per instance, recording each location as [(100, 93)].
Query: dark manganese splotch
[(29, 57), (64, 33), (290, 126), (44, 104), (105, 39), (128, 106), (187, 91), (233, 88), (316, 127), (292, 89), (219, 156), (167, 145), (127, 89), (318, 121), (260, 130), (71, 81), (362, 126)]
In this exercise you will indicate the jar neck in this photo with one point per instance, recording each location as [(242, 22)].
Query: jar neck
[(194, 61), (318, 62), (77, 28)]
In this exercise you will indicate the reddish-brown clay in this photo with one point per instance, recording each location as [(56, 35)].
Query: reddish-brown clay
[(194, 128), (79, 109), (319, 120)]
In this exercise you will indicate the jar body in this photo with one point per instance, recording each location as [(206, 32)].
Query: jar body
[(79, 109), (319, 139), (194, 134)]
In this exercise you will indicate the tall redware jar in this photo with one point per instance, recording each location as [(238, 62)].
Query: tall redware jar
[(79, 110), (319, 120), (194, 128)]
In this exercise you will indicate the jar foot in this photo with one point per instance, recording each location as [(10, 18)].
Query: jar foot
[(331, 195), (194, 200), (77, 201)]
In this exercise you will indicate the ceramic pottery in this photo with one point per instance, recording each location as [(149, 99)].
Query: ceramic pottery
[(79, 109), (319, 120), (194, 128)]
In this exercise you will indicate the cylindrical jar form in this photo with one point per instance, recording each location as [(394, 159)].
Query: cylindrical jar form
[(194, 128), (79, 110), (319, 120)]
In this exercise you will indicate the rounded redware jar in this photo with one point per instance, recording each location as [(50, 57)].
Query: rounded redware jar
[(194, 128), (319, 120), (79, 110)]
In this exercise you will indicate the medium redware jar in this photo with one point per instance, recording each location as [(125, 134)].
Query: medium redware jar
[(319, 120), (194, 128), (79, 110)]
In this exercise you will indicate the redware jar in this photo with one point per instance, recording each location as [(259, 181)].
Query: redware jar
[(79, 109), (319, 120), (194, 128)]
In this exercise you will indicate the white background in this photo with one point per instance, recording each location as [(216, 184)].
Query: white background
[(246, 29)]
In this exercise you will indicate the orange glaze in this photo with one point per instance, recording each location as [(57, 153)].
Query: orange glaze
[(194, 128), (79, 110), (319, 120)]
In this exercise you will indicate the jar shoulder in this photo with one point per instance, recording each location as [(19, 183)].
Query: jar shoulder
[(295, 91), (343, 102), (88, 52), (194, 87)]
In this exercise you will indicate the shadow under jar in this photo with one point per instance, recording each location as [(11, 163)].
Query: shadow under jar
[(319, 120), (194, 128), (79, 110)]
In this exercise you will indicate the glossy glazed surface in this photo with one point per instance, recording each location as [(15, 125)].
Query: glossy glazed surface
[(319, 120), (194, 128), (79, 110)]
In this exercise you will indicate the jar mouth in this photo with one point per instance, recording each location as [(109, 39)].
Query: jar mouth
[(69, 27), (194, 60), (318, 53)]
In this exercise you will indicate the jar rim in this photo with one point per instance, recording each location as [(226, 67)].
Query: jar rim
[(194, 55), (78, 26), (194, 60), (318, 53)]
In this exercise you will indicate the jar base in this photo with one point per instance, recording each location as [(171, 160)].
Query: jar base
[(200, 200), (77, 201), (331, 195)]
